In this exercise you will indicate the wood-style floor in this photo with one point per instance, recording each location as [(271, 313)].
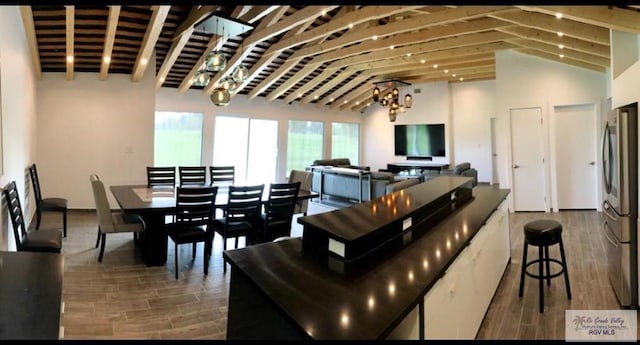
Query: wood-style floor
[(121, 298)]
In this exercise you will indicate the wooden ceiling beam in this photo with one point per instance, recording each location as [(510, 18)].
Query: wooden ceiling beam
[(158, 16), (69, 25), (549, 23), (256, 13), (32, 41), (568, 53), (109, 37), (610, 17), (565, 60), (196, 15), (551, 38), (344, 89)]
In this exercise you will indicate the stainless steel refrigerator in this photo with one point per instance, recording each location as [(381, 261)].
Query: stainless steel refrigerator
[(620, 207)]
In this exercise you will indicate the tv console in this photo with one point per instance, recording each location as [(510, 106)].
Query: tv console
[(407, 166)]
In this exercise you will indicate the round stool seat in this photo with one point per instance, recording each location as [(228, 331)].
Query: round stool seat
[(542, 232)]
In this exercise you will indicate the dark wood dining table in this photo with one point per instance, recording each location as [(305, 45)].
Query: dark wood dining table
[(153, 204)]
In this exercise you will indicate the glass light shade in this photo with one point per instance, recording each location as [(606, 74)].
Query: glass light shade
[(392, 115), (408, 101), (384, 102), (240, 74), (201, 78), (401, 108), (229, 84), (394, 105), (220, 97), (376, 94), (216, 61), (395, 92)]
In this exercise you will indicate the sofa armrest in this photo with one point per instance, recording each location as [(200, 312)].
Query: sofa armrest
[(396, 186)]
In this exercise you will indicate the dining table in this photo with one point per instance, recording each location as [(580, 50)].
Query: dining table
[(155, 203)]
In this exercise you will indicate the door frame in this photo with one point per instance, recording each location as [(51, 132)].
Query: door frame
[(553, 159)]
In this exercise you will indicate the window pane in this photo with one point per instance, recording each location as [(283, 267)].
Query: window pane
[(345, 139), (304, 143), (177, 139), (230, 144), (263, 151)]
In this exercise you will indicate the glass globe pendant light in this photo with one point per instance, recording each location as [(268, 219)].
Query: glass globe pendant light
[(220, 97), (240, 73), (201, 78), (229, 84), (216, 60)]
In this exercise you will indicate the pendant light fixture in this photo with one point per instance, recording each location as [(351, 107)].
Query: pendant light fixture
[(392, 98), (216, 60), (220, 96), (240, 73)]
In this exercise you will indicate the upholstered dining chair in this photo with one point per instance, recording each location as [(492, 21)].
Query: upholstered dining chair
[(195, 209), (161, 176), (278, 211), (304, 177), (192, 175), (48, 204), (43, 240), (241, 215), (222, 175), (110, 221)]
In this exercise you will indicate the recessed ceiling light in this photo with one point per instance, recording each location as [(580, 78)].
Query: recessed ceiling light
[(357, 103), (391, 47), (559, 15), (316, 96), (344, 102), (351, 26), (375, 37), (422, 61), (454, 75), (107, 59), (299, 95), (562, 56), (70, 58), (435, 66), (331, 100), (461, 79), (560, 34), (408, 54), (446, 71), (560, 46), (143, 61)]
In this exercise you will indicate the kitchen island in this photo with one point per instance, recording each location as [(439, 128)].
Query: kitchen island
[(280, 291)]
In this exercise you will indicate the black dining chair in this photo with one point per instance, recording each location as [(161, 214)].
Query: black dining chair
[(278, 211), (43, 240), (161, 176), (195, 209), (192, 175), (222, 175), (241, 215), (48, 204)]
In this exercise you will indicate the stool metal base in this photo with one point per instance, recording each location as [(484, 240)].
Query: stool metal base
[(543, 257)]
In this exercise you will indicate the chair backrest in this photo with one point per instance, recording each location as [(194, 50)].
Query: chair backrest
[(192, 175), (161, 176), (244, 203), (281, 204), (103, 210), (35, 182), (304, 177), (195, 205), (225, 175), (15, 213)]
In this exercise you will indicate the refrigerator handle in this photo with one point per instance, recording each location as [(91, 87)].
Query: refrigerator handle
[(607, 208), (606, 235), (605, 136)]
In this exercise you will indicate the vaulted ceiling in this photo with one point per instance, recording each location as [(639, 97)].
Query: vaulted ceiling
[(326, 55)]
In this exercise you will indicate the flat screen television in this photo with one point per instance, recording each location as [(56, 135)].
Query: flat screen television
[(420, 140)]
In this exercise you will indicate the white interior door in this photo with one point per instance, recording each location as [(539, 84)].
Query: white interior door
[(575, 156), (527, 160)]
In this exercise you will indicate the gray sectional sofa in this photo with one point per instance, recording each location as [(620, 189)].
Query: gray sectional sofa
[(462, 169), (348, 183)]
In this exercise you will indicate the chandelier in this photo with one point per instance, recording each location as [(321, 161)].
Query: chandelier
[(389, 93), (216, 61)]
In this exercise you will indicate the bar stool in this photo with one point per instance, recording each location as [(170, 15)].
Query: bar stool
[(543, 233)]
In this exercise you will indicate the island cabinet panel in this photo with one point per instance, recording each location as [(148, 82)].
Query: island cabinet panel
[(457, 303), (430, 286)]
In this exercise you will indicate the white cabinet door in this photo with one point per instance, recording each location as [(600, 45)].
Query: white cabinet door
[(408, 329)]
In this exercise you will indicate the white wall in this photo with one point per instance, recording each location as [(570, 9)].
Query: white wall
[(87, 126), (17, 99), (525, 81), (474, 104)]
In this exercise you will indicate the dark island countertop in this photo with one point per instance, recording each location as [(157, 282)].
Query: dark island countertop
[(325, 305), (30, 295)]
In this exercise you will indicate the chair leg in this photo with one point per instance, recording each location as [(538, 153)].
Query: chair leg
[(224, 247), (176, 255), (38, 218), (98, 239), (64, 223), (193, 250), (524, 268), (564, 268), (540, 278), (104, 238), (548, 263)]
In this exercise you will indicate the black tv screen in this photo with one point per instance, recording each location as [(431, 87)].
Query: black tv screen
[(420, 140)]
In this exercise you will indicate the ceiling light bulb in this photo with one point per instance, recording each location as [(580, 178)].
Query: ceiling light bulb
[(391, 47), (559, 15), (351, 26), (562, 56), (143, 61), (107, 59), (408, 54), (70, 58), (454, 75), (315, 97), (375, 37), (435, 66), (422, 61), (560, 46), (560, 34), (461, 79), (446, 71)]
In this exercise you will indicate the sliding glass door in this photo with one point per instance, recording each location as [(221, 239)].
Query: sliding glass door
[(251, 145)]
